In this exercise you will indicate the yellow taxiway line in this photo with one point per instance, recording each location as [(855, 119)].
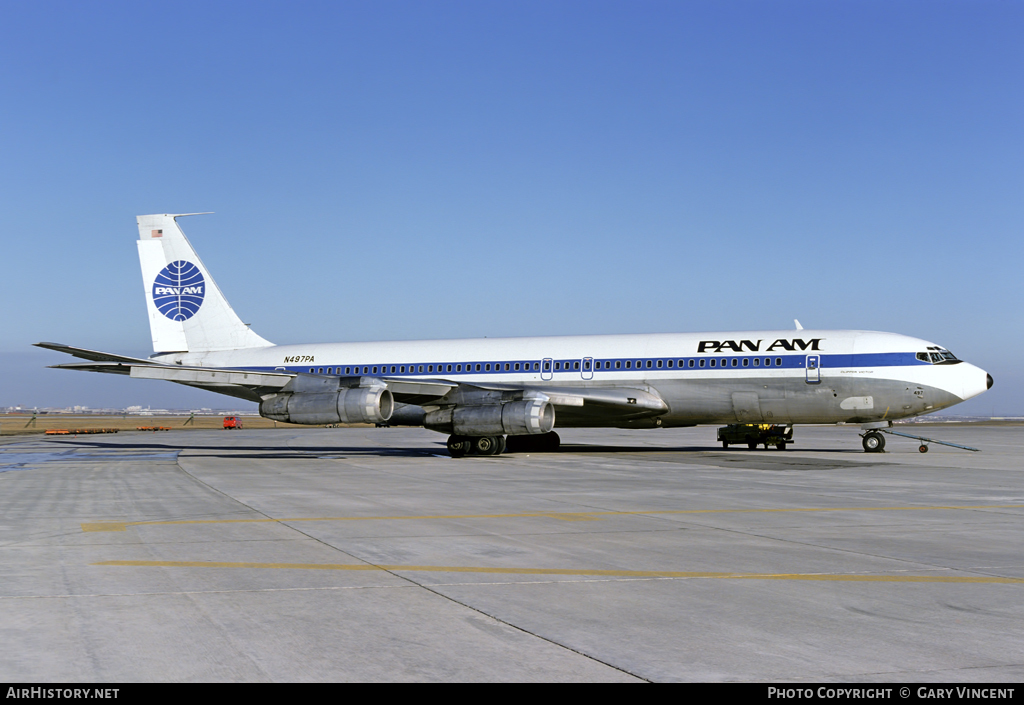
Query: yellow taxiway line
[(843, 577), (564, 516)]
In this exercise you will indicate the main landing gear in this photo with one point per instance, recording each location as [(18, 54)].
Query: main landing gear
[(461, 446)]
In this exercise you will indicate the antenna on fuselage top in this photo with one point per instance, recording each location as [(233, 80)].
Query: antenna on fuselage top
[(798, 326)]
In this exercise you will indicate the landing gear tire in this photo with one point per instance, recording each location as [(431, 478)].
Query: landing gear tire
[(781, 445), (487, 445), (459, 446), (725, 445), (873, 442), (752, 445), (922, 448)]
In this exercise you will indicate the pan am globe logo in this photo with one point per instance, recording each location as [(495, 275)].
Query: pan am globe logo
[(178, 290)]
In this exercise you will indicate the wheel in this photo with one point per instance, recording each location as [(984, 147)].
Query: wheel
[(458, 446), (781, 446), (549, 442), (725, 444), (485, 445), (923, 448), (752, 445), (874, 442), (501, 445)]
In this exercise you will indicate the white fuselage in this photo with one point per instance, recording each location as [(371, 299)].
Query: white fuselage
[(801, 376)]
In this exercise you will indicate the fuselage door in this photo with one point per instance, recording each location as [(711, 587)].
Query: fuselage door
[(546, 369), (813, 369), (588, 368)]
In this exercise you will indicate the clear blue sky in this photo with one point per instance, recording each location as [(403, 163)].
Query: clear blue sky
[(395, 170)]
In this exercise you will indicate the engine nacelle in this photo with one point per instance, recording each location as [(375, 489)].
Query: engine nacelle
[(517, 418), (356, 405)]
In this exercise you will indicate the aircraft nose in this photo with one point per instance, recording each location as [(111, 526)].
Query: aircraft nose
[(988, 380)]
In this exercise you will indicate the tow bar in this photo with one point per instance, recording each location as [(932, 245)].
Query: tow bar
[(924, 442)]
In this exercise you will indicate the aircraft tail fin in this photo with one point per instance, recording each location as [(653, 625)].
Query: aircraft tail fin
[(187, 311)]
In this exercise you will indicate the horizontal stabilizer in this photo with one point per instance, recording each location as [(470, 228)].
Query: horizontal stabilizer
[(86, 354)]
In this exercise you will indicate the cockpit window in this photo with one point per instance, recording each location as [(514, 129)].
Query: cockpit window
[(940, 357)]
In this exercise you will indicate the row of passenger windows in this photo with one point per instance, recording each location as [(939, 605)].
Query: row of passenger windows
[(558, 366)]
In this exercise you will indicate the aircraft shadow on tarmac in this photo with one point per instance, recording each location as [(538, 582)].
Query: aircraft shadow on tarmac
[(438, 449)]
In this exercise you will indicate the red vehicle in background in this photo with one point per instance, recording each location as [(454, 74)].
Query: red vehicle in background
[(232, 422)]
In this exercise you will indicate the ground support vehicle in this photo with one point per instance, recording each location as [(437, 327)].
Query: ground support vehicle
[(755, 434)]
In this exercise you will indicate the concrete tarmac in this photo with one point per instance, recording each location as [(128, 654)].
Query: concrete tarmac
[(369, 555)]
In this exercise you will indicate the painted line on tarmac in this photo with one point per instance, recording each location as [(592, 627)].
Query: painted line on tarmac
[(841, 577), (564, 516)]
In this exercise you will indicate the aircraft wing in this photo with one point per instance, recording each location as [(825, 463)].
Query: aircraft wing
[(581, 404), (242, 383)]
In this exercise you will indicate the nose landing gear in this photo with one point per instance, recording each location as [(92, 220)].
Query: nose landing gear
[(873, 442)]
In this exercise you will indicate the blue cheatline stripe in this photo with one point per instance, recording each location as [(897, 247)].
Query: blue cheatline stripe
[(600, 366)]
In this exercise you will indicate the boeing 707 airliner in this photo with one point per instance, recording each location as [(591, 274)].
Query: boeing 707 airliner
[(495, 394)]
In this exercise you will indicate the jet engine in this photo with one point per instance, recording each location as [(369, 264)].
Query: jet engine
[(356, 405), (517, 418)]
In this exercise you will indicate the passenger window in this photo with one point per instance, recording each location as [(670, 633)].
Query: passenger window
[(421, 368), (576, 365), (618, 364), (746, 362), (648, 364), (735, 362), (449, 368), (310, 370), (669, 363), (688, 364), (517, 367), (348, 370), (320, 371), (702, 362), (536, 366), (778, 362), (506, 367), (629, 364), (713, 362), (487, 367), (757, 361)]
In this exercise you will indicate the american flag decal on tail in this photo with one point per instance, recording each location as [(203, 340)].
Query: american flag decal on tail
[(156, 233)]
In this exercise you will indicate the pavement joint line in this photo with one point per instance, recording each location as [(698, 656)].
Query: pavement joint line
[(564, 516), (841, 577)]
